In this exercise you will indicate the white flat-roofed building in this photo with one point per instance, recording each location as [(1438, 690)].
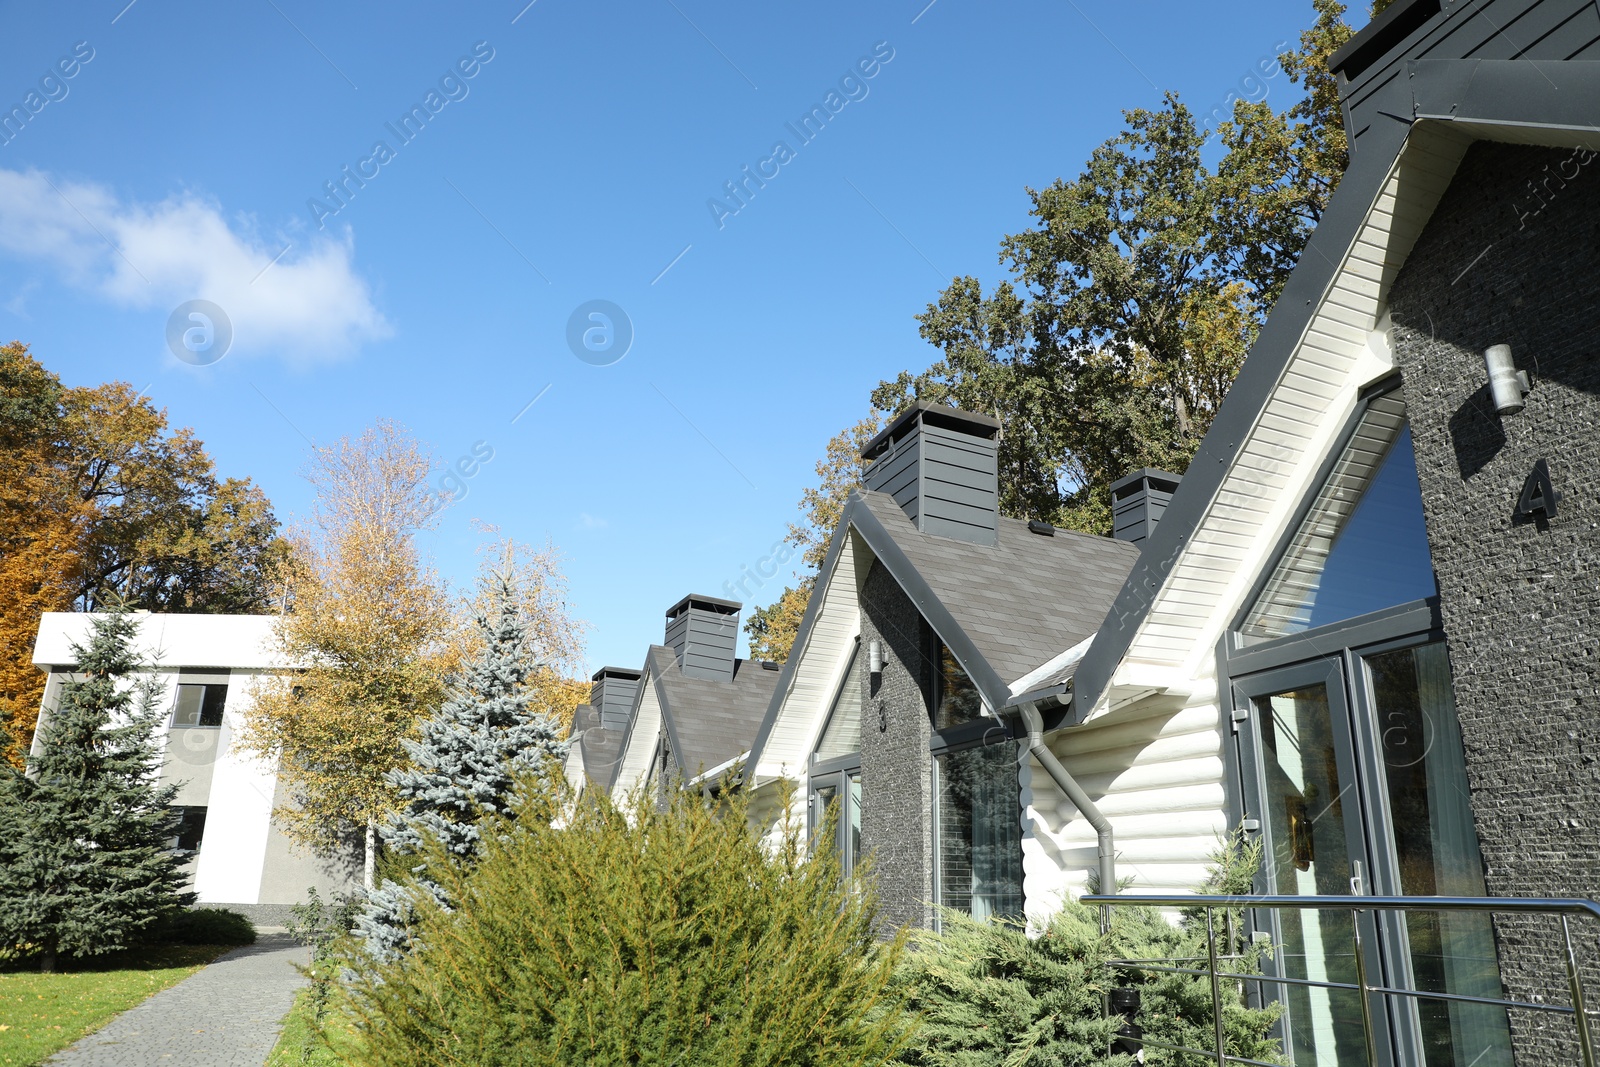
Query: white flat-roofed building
[(208, 667)]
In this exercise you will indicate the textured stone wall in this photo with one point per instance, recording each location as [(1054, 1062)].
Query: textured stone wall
[(896, 801), (1512, 256)]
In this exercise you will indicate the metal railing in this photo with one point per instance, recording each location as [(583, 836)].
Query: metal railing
[(1363, 987)]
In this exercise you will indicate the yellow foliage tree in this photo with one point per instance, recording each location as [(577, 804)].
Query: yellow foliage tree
[(370, 633), (772, 629), (99, 499)]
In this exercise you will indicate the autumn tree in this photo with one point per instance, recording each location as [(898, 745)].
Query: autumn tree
[(772, 629), (100, 501), (39, 533), (1136, 293), (369, 634)]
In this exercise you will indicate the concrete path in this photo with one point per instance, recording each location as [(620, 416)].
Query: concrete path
[(225, 1015)]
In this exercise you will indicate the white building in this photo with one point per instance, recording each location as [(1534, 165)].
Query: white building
[(208, 667)]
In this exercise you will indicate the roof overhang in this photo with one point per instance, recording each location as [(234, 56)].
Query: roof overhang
[(1243, 481)]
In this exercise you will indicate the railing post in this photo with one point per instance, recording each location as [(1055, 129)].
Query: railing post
[(1216, 990), (1361, 986), (1575, 980)]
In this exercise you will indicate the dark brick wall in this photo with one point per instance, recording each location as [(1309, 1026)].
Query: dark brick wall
[(1512, 255), (896, 805)]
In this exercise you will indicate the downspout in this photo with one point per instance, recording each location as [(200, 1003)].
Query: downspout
[(1075, 793)]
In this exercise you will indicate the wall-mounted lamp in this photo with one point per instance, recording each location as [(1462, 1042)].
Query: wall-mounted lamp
[(1507, 384), (874, 657)]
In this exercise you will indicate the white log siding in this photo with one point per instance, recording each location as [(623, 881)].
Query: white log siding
[(1156, 771), (1275, 465)]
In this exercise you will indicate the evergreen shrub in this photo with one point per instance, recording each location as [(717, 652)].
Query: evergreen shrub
[(635, 933), (988, 995), (205, 926)]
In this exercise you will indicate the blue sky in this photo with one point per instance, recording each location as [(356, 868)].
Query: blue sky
[(574, 164)]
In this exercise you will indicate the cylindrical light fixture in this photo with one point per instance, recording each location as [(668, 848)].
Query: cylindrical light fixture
[(874, 657), (1507, 384)]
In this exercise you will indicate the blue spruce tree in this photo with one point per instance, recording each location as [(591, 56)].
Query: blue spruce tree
[(465, 764), (86, 857)]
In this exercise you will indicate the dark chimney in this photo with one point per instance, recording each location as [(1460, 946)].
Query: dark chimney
[(612, 695), (939, 464), (702, 631), (1138, 501)]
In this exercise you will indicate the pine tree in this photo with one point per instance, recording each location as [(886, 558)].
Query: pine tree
[(465, 763), (87, 866)]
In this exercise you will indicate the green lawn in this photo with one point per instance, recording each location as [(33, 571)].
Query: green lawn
[(42, 1013), (291, 1047)]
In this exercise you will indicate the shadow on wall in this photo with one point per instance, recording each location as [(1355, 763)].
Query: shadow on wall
[(1464, 288)]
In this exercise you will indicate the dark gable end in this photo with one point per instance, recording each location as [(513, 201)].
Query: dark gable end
[(1422, 76)]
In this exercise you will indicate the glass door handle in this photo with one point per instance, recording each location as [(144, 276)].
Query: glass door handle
[(1357, 887)]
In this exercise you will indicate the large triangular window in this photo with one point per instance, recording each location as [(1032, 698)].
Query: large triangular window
[(842, 735), (1363, 544)]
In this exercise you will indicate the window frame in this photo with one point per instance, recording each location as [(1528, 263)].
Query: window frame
[(966, 740), (1388, 385), (836, 772), (200, 723)]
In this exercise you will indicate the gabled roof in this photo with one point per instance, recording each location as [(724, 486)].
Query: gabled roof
[(1019, 602), (707, 722), (599, 749), (1006, 611), (1302, 376)]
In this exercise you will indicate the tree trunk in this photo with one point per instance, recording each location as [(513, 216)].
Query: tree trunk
[(370, 868), (47, 962)]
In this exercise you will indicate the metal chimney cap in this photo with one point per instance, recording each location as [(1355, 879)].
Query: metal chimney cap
[(923, 411), (714, 604)]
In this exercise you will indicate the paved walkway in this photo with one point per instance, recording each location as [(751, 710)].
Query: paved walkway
[(226, 1015)]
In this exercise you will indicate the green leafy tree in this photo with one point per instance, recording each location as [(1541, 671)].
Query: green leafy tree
[(637, 933), (772, 629), (86, 863), (1136, 293), (463, 765)]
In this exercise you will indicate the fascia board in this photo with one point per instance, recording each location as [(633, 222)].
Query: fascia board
[(994, 690), (1269, 357), (651, 675), (802, 639), (1505, 94)]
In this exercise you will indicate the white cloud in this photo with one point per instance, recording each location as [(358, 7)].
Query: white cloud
[(591, 522), (310, 304)]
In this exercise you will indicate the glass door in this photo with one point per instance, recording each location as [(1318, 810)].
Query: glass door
[(1421, 823), (1354, 772), (1306, 800)]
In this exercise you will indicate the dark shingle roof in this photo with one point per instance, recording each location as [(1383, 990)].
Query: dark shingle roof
[(710, 722), (601, 748), (1021, 602)]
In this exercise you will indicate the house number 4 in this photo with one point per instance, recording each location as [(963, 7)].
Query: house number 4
[(1539, 497)]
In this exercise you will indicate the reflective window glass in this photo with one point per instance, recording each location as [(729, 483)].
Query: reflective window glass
[(980, 831), (842, 735), (1363, 545), (957, 699)]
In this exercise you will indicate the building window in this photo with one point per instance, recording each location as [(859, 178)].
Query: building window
[(955, 699), (199, 705), (979, 831), (191, 829), (838, 793), (1363, 544), (836, 768), (842, 735)]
